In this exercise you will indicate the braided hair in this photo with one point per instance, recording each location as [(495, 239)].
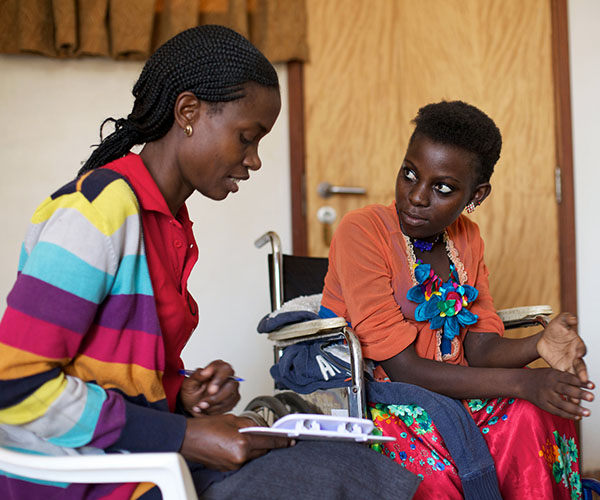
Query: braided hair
[(456, 123), (213, 62)]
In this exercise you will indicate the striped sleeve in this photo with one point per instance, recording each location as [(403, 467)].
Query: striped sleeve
[(68, 266)]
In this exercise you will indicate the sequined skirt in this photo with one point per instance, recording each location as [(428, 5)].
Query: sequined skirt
[(535, 452)]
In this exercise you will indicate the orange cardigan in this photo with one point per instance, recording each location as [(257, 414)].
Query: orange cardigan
[(369, 277)]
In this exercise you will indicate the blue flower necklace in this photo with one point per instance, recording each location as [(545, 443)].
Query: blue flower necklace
[(443, 304)]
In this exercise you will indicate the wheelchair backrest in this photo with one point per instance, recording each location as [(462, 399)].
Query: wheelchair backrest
[(301, 276)]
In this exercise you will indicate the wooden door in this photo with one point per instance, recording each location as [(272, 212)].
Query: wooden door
[(373, 64)]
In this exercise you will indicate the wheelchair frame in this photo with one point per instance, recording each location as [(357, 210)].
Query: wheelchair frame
[(313, 330)]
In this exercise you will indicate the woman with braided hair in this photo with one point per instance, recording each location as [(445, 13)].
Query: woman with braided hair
[(91, 339)]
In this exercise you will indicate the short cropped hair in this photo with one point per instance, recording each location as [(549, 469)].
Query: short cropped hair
[(459, 124)]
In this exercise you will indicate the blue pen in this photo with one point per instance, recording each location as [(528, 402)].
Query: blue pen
[(190, 372)]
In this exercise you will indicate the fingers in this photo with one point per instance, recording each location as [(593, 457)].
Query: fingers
[(566, 409), (580, 370), (215, 391), (245, 422), (567, 319), (575, 392), (259, 445), (570, 320), (269, 442), (223, 401), (570, 394), (218, 372), (563, 320), (264, 441)]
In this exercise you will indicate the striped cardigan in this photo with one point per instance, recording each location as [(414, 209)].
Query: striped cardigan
[(81, 349)]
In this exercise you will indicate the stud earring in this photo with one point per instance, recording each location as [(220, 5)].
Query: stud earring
[(188, 130), (470, 208)]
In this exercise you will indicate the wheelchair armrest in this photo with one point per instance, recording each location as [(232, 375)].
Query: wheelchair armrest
[(308, 330), (518, 317)]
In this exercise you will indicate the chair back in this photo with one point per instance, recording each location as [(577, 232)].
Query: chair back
[(167, 470)]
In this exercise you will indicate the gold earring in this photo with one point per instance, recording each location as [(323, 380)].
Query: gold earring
[(188, 130)]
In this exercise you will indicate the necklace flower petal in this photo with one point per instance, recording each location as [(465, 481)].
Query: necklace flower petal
[(443, 303)]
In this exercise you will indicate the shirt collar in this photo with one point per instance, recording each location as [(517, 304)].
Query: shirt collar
[(149, 196)]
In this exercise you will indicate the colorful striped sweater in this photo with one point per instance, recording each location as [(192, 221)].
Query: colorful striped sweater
[(81, 349)]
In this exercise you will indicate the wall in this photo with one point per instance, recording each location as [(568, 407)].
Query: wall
[(584, 40), (50, 112)]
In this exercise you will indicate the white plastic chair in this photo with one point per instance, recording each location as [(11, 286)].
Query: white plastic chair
[(168, 471)]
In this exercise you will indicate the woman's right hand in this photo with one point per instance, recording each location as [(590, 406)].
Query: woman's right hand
[(214, 441), (556, 392), (210, 390)]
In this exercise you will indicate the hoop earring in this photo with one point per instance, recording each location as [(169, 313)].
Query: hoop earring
[(188, 130), (470, 208)]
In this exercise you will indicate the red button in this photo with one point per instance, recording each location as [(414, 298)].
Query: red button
[(177, 244)]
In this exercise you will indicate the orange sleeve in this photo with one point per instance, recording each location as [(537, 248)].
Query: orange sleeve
[(358, 286)]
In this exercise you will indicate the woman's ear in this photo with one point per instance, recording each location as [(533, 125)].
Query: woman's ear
[(482, 191), (187, 109)]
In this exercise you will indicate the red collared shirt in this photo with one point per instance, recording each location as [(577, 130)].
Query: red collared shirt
[(171, 253)]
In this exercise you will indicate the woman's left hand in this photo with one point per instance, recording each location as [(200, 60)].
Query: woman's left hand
[(210, 390), (562, 348)]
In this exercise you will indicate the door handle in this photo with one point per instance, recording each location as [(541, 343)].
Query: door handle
[(325, 190)]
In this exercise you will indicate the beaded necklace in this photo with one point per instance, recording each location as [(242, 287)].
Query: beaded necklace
[(443, 304), (423, 245)]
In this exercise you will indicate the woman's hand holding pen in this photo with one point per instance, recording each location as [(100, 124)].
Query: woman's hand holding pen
[(211, 390), (214, 439)]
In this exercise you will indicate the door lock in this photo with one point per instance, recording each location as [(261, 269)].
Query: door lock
[(327, 216)]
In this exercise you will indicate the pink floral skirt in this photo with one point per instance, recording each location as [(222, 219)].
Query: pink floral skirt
[(535, 452)]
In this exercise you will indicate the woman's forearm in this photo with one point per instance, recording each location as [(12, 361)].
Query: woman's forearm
[(454, 380), (552, 390), (489, 350)]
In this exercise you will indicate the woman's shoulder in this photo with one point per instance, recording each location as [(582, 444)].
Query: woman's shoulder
[(464, 227), (102, 196), (94, 184), (371, 217), (467, 239)]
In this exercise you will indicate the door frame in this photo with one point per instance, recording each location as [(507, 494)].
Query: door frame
[(564, 156)]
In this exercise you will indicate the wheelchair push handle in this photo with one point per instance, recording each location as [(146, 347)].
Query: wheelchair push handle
[(277, 277)]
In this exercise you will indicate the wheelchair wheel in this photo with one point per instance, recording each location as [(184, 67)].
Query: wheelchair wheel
[(255, 417), (268, 407), (296, 403)]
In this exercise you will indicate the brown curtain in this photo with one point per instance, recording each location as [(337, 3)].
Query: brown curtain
[(132, 29)]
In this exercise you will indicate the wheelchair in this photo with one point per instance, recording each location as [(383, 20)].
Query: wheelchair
[(292, 277)]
